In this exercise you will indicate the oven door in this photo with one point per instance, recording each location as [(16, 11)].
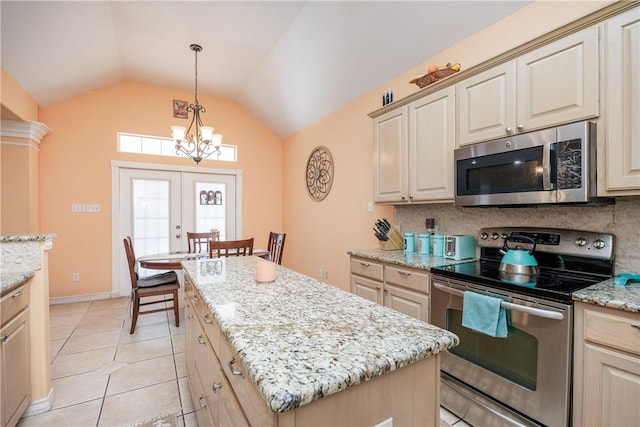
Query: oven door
[(529, 371)]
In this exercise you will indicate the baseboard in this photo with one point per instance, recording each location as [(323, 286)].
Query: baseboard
[(41, 405), (82, 298)]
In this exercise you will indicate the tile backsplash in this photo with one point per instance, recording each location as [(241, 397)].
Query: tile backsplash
[(621, 219)]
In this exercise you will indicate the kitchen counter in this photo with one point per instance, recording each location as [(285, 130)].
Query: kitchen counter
[(606, 294), (413, 260), (301, 339), (9, 281), (20, 259)]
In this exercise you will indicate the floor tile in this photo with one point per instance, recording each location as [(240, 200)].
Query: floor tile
[(156, 399), (68, 308), (55, 347), (82, 415), (61, 332), (110, 304), (95, 326), (181, 364), (142, 374), (189, 420), (177, 341), (80, 363), (144, 332), (79, 388), (185, 395), (78, 344), (447, 416), (142, 350)]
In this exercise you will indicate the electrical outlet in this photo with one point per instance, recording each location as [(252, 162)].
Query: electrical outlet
[(93, 208), (78, 208), (75, 277), (370, 207), (323, 273)]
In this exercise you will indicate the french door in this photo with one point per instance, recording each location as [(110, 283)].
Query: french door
[(157, 207)]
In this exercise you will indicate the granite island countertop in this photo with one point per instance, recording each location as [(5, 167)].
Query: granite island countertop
[(607, 294), (399, 257), (301, 339), (19, 259)]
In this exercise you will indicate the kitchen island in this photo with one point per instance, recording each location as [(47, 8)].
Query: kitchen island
[(300, 352)]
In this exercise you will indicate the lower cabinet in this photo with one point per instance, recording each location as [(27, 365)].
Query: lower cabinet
[(400, 288), (15, 378), (607, 367)]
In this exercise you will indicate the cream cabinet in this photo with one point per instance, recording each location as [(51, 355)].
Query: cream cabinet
[(622, 140), (15, 377), (414, 150), (556, 83), (606, 367), (400, 288)]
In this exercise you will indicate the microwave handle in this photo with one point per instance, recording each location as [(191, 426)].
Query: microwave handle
[(547, 314), (546, 167)]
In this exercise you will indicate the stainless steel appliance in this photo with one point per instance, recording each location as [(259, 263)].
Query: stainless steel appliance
[(525, 378), (556, 165)]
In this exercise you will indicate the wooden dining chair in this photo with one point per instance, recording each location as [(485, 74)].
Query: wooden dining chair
[(276, 247), (220, 248), (151, 286), (199, 242)]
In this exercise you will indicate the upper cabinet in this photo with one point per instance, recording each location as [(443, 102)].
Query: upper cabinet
[(414, 150), (556, 83), (622, 140)]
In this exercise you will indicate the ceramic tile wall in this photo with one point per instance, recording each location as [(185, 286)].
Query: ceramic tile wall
[(621, 219)]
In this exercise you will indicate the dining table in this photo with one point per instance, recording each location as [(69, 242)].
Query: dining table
[(173, 260)]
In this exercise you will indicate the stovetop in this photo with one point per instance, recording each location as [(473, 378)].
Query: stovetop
[(569, 260)]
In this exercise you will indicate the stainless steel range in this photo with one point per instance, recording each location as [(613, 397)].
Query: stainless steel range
[(525, 378)]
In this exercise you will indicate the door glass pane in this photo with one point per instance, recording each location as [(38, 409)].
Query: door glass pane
[(150, 202), (210, 204)]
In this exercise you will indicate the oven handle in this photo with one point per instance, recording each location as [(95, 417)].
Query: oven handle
[(554, 315)]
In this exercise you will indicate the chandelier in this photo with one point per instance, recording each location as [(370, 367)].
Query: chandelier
[(202, 142)]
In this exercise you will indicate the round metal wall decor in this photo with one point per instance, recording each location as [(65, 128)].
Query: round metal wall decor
[(319, 173)]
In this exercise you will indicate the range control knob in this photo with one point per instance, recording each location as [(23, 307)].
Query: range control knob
[(599, 244), (504, 236), (484, 235), (494, 236), (581, 241)]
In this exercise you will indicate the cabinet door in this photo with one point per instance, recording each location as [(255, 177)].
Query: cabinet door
[(390, 151), (14, 367), (366, 288), (431, 144), (558, 83), (411, 303), (623, 102), (486, 104), (611, 387)]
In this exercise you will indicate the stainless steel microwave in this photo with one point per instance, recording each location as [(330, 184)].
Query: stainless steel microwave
[(549, 166)]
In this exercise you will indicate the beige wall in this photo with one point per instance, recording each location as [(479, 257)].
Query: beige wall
[(75, 167), (320, 234), (16, 103)]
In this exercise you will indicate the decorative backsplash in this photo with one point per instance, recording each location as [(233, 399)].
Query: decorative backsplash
[(621, 219)]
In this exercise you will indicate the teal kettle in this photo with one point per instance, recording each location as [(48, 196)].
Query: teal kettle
[(518, 265)]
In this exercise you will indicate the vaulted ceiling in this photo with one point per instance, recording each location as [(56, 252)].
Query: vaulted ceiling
[(289, 63)]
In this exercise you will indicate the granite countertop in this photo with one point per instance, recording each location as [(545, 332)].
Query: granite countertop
[(607, 294), (11, 280), (27, 238), (399, 257), (301, 339)]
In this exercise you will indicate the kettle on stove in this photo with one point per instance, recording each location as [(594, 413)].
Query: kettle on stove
[(518, 265)]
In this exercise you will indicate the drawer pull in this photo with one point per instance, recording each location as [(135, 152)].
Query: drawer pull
[(201, 340), (635, 326), (365, 264), (17, 294), (3, 338), (207, 319), (203, 402), (189, 316), (378, 287), (216, 387), (195, 298), (404, 273), (234, 371)]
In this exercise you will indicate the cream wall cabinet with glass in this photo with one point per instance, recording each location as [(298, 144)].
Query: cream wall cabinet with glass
[(414, 150), (556, 83), (607, 366), (15, 377), (622, 141), (400, 288)]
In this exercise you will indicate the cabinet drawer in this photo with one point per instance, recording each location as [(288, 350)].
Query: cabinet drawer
[(254, 405), (13, 303), (408, 278), (366, 268), (615, 330)]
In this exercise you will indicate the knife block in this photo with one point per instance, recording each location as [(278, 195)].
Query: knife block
[(395, 241)]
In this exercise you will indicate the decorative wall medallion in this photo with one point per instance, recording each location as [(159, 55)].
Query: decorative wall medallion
[(319, 173)]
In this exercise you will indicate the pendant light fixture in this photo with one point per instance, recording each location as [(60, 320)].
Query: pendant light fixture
[(202, 142)]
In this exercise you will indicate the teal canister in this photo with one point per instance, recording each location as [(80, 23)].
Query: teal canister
[(424, 244), (438, 244), (409, 242)]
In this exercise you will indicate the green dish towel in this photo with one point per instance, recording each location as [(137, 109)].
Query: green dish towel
[(484, 314)]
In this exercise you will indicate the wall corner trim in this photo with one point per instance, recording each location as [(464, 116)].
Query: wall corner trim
[(34, 131)]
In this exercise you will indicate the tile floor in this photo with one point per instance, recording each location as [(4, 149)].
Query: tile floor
[(103, 376)]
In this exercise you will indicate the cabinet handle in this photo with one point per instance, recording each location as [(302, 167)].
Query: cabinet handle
[(203, 402), (404, 197), (520, 126), (378, 287), (3, 338), (195, 298), (207, 319), (17, 294), (201, 340), (635, 326), (189, 316), (216, 387), (234, 371), (404, 273), (508, 129), (365, 264)]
